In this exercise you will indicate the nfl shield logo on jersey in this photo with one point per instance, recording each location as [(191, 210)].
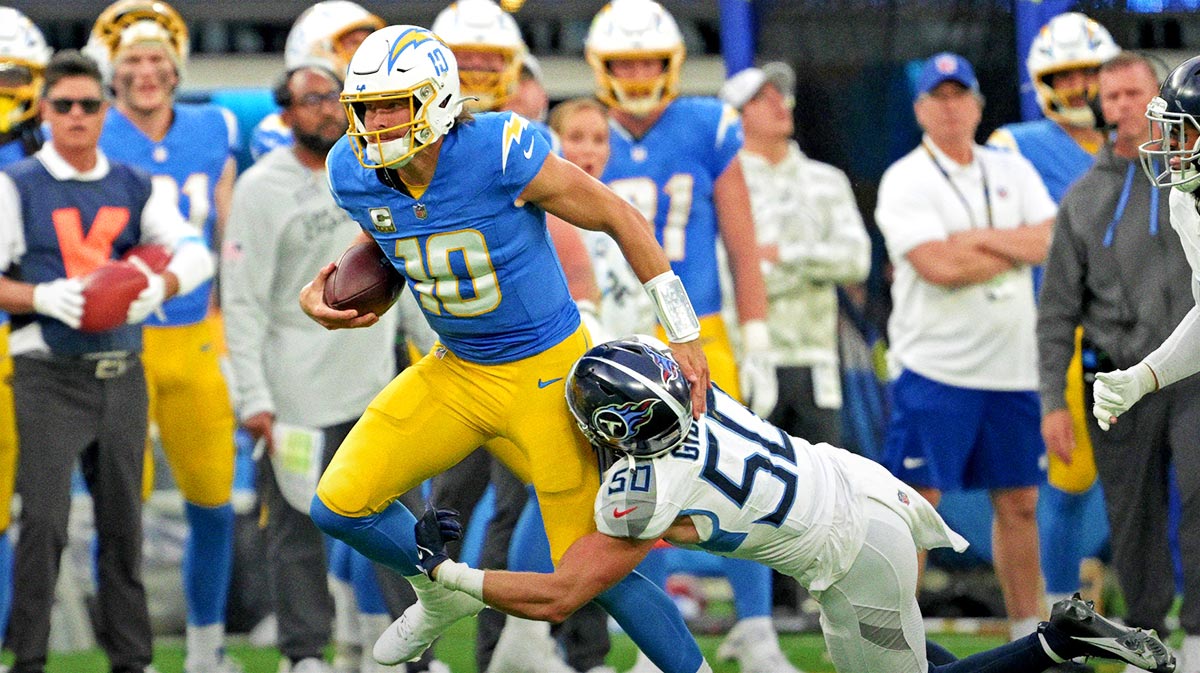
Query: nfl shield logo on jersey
[(381, 219), (420, 211)]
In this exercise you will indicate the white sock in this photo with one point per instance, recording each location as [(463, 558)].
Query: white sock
[(1019, 628), (204, 645)]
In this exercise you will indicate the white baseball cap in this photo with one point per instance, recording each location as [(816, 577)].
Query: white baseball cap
[(739, 89)]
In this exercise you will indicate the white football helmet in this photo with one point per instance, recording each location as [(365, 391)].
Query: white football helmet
[(1070, 41), (23, 58), (481, 26), (635, 30), (316, 36), (411, 66), (128, 22)]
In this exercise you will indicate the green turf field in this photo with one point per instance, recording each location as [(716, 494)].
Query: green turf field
[(456, 649)]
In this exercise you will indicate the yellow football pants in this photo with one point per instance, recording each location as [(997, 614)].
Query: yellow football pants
[(1081, 473), (442, 408), (189, 402)]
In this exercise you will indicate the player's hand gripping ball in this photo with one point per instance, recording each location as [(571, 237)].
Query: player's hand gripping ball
[(364, 280)]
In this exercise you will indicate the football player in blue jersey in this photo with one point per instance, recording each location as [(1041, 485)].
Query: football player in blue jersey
[(23, 58), (142, 46), (458, 204), (732, 484), (1064, 63), (675, 159), (325, 34)]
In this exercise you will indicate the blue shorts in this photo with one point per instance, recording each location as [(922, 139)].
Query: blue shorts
[(951, 438)]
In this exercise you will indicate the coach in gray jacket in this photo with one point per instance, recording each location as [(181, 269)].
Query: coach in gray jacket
[(1116, 267), (287, 370)]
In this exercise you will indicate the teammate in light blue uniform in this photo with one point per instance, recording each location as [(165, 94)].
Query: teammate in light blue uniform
[(142, 47), (1063, 63), (470, 238)]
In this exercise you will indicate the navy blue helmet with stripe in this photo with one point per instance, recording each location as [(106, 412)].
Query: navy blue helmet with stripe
[(630, 396)]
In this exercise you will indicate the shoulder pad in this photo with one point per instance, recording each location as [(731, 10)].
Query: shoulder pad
[(628, 501)]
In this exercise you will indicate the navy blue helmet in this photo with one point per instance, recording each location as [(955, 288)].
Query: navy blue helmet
[(630, 396), (1170, 159)]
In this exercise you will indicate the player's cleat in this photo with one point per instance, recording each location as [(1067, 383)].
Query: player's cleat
[(435, 610), (755, 645), (1101, 637)]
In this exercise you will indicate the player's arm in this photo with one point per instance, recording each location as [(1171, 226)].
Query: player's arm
[(223, 199), (15, 296), (566, 191), (592, 565), (736, 224)]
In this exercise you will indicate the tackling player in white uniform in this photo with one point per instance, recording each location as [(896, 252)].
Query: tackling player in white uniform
[(732, 484), (1176, 127)]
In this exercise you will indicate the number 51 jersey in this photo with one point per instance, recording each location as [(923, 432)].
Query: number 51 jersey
[(754, 492)]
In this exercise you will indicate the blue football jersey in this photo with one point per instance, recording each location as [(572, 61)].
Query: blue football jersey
[(270, 133), (668, 175), (1054, 154), (190, 159), (12, 152), (482, 267)]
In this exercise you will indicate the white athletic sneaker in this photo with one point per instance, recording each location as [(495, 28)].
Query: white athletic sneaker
[(371, 626), (435, 610), (755, 645), (526, 646)]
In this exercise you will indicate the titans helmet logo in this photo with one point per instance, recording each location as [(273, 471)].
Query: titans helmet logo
[(667, 367), (619, 421)]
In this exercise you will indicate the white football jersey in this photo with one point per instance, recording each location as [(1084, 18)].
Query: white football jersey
[(756, 493), (1186, 222)]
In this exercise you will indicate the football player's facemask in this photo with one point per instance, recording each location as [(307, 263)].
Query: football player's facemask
[(1069, 42), (401, 94), (1170, 158), (23, 58), (635, 30), (128, 22), (630, 396), (489, 48), (322, 34)]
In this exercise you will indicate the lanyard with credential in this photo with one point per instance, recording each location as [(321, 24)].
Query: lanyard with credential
[(987, 197), (1123, 200)]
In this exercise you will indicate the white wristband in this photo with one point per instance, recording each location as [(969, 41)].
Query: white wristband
[(673, 307), (461, 577)]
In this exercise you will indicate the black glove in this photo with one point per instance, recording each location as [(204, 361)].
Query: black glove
[(433, 530)]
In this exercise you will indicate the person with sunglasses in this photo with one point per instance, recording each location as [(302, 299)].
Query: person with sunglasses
[(142, 48), (65, 212)]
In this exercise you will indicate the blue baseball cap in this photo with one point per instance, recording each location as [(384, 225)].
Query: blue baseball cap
[(946, 67)]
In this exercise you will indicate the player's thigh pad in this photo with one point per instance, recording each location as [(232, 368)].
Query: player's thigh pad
[(870, 616), (189, 401), (423, 422), (8, 432), (561, 463)]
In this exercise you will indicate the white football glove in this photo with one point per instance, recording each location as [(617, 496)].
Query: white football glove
[(60, 299), (1115, 392), (756, 371), (150, 299)]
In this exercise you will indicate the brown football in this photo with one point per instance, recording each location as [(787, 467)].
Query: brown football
[(154, 255), (107, 294), (364, 280)]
